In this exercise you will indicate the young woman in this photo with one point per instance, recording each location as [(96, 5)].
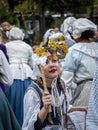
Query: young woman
[(46, 108)]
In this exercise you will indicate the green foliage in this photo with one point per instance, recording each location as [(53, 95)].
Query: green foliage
[(5, 14)]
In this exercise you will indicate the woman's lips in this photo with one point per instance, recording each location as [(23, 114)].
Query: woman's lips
[(52, 71)]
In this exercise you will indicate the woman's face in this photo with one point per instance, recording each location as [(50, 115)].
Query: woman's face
[(52, 68)]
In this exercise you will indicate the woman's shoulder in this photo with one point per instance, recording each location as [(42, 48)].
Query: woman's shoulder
[(89, 49), (27, 46), (76, 46), (34, 88), (74, 52), (21, 45)]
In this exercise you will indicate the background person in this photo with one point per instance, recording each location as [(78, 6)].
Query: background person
[(67, 30), (7, 118), (20, 60), (3, 48), (80, 62)]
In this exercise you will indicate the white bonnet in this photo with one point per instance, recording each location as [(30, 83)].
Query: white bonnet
[(81, 25), (68, 23), (16, 33), (48, 33), (56, 35)]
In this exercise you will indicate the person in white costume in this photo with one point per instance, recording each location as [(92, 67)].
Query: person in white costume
[(20, 60), (80, 62), (47, 34), (67, 31), (7, 118)]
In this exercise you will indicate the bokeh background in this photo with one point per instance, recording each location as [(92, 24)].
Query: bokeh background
[(36, 16)]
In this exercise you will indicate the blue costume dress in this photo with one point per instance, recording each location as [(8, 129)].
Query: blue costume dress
[(20, 59), (7, 118)]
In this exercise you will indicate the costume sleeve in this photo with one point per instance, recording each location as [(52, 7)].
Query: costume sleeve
[(38, 124), (30, 58), (70, 66), (3, 48), (5, 71), (67, 78), (31, 109)]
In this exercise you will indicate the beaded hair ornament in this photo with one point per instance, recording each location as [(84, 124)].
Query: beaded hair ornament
[(56, 47)]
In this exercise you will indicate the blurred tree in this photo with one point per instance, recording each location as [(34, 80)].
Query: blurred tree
[(5, 13), (39, 7), (14, 3)]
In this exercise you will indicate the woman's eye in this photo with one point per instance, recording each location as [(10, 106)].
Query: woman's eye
[(54, 61), (47, 61)]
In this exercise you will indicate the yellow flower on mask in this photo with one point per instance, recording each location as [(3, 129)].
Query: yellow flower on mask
[(53, 45), (41, 51)]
